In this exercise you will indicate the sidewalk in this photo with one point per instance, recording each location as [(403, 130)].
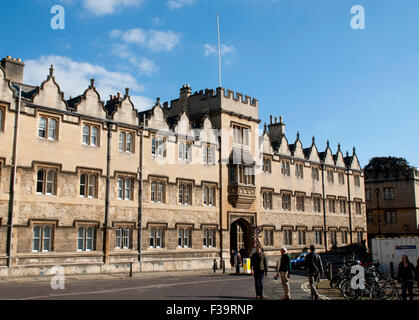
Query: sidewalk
[(121, 276)]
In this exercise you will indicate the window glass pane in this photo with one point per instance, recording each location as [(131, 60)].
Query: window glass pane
[(153, 146), (83, 185), (42, 127), (92, 186), (120, 188), (118, 238), (127, 233), (52, 127), (129, 142), (50, 182), (86, 132), (93, 138), (128, 189), (1, 119), (80, 239), (122, 141), (40, 181)]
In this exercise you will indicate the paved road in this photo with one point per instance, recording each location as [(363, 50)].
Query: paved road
[(203, 286)]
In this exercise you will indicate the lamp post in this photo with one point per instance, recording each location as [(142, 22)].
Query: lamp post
[(377, 192)]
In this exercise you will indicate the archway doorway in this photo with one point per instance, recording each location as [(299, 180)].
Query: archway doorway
[(241, 237)]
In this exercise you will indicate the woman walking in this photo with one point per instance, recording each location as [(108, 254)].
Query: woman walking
[(406, 276), (259, 270)]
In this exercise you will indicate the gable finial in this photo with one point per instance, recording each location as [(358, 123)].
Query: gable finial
[(92, 83), (339, 146), (354, 150), (51, 71), (298, 135), (157, 101), (126, 92), (265, 127), (280, 119), (347, 153), (328, 143), (313, 140), (270, 118)]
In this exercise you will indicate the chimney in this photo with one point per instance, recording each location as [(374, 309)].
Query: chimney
[(276, 130), (185, 92), (14, 69)]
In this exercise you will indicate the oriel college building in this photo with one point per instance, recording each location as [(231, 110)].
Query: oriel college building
[(95, 186)]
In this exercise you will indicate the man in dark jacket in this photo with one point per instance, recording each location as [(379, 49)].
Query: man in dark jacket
[(314, 267), (406, 276), (284, 271), (259, 270)]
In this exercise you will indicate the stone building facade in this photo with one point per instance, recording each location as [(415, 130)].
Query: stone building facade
[(392, 202), (96, 186)]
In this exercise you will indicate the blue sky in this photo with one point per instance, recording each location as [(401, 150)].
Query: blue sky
[(300, 58)]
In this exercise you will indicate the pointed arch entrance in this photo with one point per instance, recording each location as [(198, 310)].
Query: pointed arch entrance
[(241, 236)]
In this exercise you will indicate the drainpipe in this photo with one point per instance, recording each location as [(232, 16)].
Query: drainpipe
[(13, 182), (140, 194), (220, 199), (350, 210), (107, 196), (324, 211)]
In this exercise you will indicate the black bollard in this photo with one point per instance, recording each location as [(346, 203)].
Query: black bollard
[(330, 271), (130, 270), (224, 266), (214, 266)]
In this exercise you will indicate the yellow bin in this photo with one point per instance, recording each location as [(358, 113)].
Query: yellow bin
[(246, 266)]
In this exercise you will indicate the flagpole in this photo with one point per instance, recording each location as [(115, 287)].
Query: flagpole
[(219, 51)]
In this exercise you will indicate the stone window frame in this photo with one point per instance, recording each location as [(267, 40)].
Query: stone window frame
[(357, 180), (89, 174), (43, 225), (302, 230), (182, 192), (330, 200), (206, 159), (267, 164), (156, 227), (48, 119), (333, 232), (184, 153), (285, 168), (358, 205), (182, 228), (287, 235), (286, 205), (318, 199), (46, 170), (268, 241), (90, 126), (267, 198), (299, 170), (390, 217), (207, 237), (126, 133), (158, 143), (158, 182), (124, 178), (341, 177), (330, 173), (318, 240), (344, 206), (388, 193), (344, 234), (123, 227), (243, 138), (2, 118), (315, 173), (370, 216), (359, 231), (300, 207), (86, 226), (206, 192)]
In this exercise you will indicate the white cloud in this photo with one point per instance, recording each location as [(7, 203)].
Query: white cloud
[(177, 4), (155, 40), (157, 21), (74, 77), (213, 50), (106, 7), (144, 65)]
